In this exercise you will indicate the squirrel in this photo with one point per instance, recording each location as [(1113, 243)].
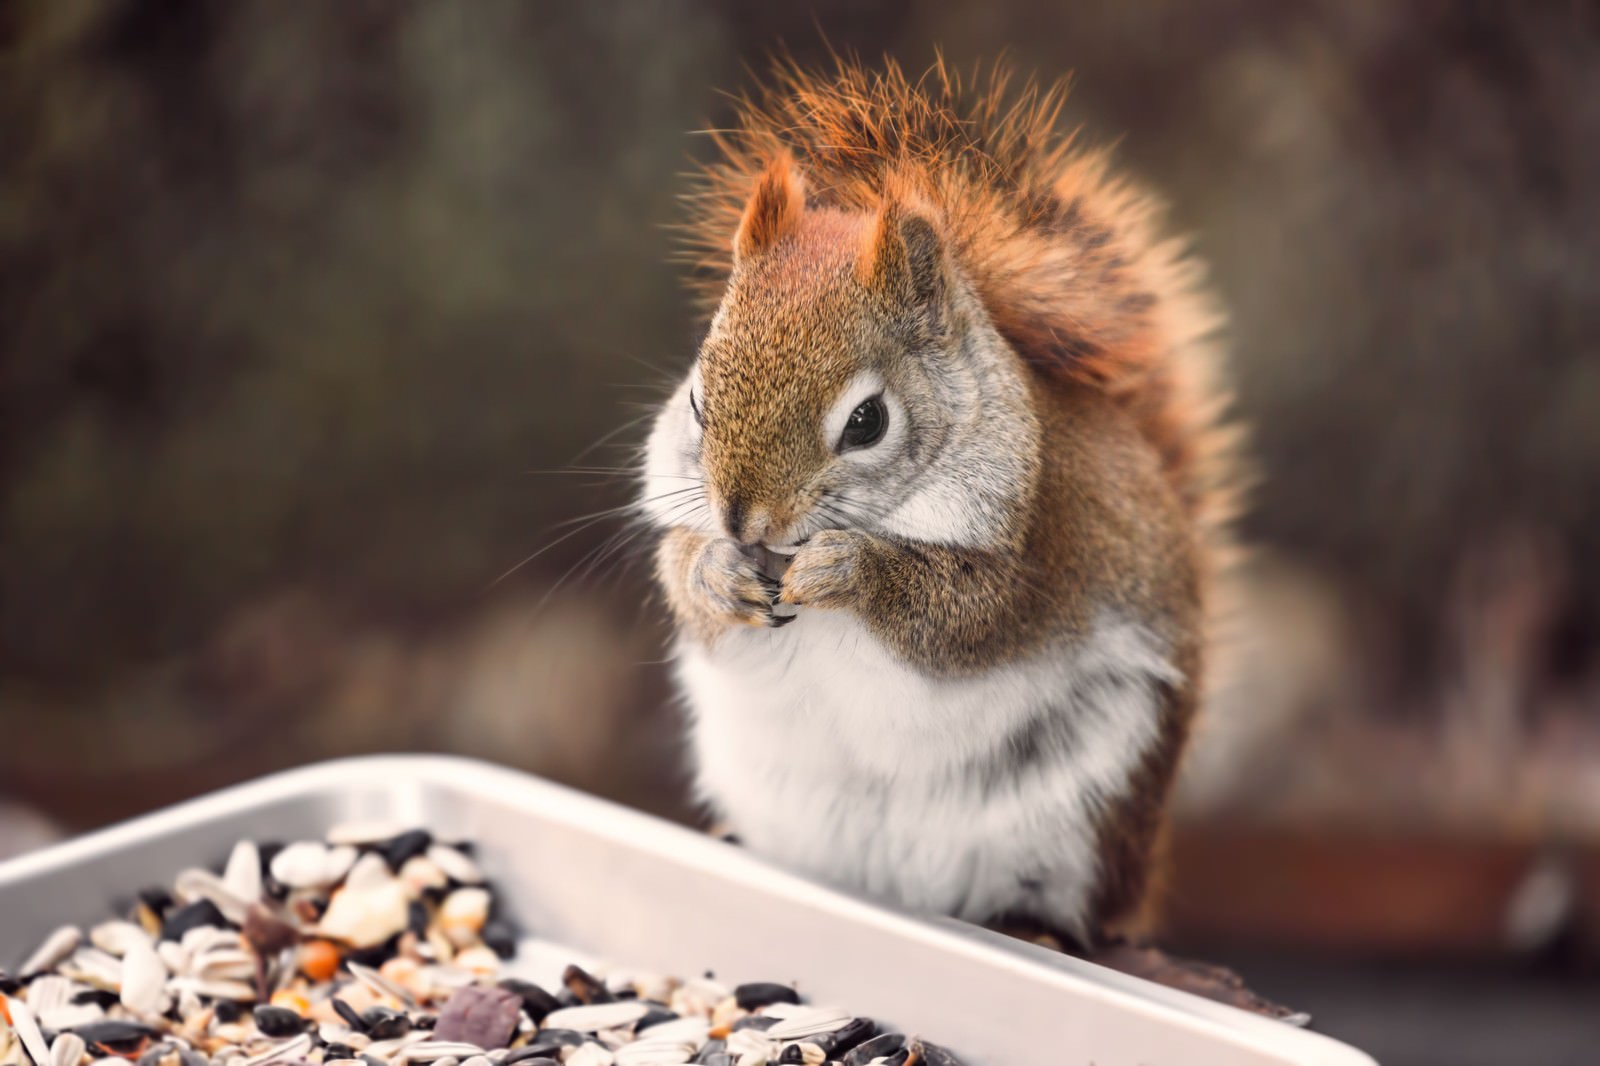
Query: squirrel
[(945, 500)]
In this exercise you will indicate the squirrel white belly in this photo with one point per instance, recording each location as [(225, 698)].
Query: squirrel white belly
[(836, 759), (953, 375)]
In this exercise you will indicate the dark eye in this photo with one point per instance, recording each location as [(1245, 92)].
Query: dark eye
[(866, 425), (694, 406)]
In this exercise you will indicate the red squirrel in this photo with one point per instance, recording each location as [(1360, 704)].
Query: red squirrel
[(944, 499)]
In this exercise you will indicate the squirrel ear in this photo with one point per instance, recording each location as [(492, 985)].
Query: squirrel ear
[(774, 209), (904, 259)]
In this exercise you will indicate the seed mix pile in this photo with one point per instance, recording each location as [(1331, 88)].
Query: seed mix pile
[(380, 948)]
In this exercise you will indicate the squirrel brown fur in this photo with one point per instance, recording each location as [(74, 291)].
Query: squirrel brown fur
[(1001, 614)]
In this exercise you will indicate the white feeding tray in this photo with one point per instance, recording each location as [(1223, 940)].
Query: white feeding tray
[(641, 893)]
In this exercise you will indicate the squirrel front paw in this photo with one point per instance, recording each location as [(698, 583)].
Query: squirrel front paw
[(730, 587), (828, 570)]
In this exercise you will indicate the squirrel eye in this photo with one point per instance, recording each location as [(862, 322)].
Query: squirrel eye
[(866, 425), (694, 406)]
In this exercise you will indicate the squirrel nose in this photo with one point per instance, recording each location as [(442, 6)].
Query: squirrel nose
[(745, 524), (733, 512)]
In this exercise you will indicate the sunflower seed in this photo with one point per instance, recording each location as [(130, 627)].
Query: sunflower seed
[(283, 1051), (592, 1018), (368, 832), (27, 1028), (455, 865), (57, 946), (431, 1050), (811, 1022), (242, 875), (114, 938), (67, 1050), (144, 978), (301, 865)]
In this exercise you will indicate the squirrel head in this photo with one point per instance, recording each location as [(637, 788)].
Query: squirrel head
[(850, 379)]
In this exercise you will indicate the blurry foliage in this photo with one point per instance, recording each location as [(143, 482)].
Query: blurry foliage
[(293, 296)]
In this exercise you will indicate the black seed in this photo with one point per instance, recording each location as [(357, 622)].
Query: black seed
[(656, 1016), (845, 1037), (351, 1016), (202, 912), (884, 1045), (274, 888), (424, 1021), (373, 957), (754, 1021), (381, 1023), (535, 1000), (278, 1021), (533, 1055), (760, 994), (227, 1011), (268, 850), (417, 918), (113, 1033), (158, 900), (717, 1058), (407, 845), (97, 996), (934, 1055), (585, 987), (558, 1038), (500, 938), (899, 1058), (338, 1051), (791, 1055), (187, 1057)]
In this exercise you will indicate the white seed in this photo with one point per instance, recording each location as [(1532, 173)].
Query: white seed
[(369, 871), (206, 939), (174, 955), (70, 1016), (811, 1022), (596, 1016), (366, 832), (57, 946), (234, 990), (28, 1031), (380, 984), (144, 977), (364, 917), (242, 875), (301, 865), (340, 860), (93, 967), (462, 915), (655, 1053), (420, 873), (683, 1030), (477, 1060), (114, 938), (455, 864), (197, 884), (224, 964), (749, 1042), (292, 1048), (431, 1050), (48, 992), (68, 1049)]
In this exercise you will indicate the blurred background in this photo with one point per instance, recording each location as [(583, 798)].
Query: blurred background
[(300, 305)]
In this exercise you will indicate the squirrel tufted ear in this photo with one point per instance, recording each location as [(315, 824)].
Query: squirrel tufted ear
[(774, 209), (904, 258)]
